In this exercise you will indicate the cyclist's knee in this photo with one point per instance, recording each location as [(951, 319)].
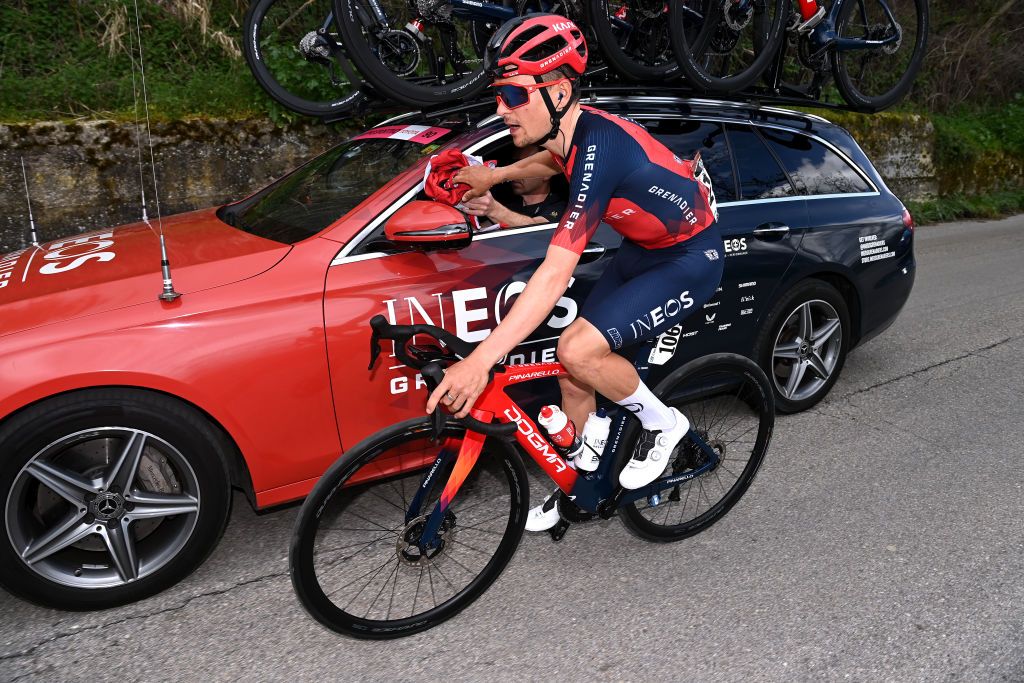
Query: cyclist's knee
[(580, 345)]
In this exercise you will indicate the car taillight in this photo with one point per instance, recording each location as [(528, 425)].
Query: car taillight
[(908, 220)]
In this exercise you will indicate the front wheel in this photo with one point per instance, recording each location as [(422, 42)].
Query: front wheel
[(729, 404), (109, 496), (357, 563)]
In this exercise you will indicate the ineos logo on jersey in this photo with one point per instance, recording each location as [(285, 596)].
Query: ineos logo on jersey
[(735, 246), (70, 254)]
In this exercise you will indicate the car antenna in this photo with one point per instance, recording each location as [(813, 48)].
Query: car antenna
[(168, 294), (33, 238)]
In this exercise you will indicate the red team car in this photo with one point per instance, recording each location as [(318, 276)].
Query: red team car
[(126, 420)]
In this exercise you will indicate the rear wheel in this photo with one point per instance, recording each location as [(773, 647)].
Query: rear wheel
[(356, 561), (634, 37), (873, 79), (728, 401), (803, 344), (419, 54), (723, 46), (295, 53)]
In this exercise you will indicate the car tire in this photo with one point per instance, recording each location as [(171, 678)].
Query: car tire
[(136, 496), (782, 346)]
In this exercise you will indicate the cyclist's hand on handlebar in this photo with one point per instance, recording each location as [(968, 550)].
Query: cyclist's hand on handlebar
[(479, 178), (463, 382)]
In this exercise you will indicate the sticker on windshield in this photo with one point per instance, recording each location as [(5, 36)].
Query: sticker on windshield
[(420, 134)]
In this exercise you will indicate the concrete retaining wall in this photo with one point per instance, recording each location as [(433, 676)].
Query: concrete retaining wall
[(84, 176)]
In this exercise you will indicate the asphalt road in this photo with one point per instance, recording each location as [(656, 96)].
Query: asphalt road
[(882, 540)]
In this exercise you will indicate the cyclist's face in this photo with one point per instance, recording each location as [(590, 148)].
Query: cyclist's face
[(523, 108)]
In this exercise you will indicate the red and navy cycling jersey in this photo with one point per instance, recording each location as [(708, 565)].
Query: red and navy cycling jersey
[(618, 173)]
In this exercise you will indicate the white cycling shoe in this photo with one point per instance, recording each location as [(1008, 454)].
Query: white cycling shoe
[(539, 520), (653, 454)]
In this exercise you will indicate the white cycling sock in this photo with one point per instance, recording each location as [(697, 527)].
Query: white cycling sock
[(652, 413)]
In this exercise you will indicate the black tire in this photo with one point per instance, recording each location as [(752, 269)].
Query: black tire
[(716, 58), (325, 86), (728, 401), (638, 45), (417, 88), (872, 80), (378, 504), (179, 456), (781, 330)]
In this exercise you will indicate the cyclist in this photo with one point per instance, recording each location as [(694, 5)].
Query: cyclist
[(669, 263)]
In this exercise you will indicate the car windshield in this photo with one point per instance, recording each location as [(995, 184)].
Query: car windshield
[(315, 195)]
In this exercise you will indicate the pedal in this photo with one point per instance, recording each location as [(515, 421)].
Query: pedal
[(558, 530)]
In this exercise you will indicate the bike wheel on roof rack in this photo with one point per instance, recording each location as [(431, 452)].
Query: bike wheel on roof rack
[(295, 53), (420, 54), (633, 36), (723, 46), (876, 78)]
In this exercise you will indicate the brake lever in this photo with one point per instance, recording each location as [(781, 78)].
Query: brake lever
[(374, 349)]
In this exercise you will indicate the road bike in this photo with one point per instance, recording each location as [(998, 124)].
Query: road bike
[(428, 52), (295, 52), (872, 48), (415, 522)]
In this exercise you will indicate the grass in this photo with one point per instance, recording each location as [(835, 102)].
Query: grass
[(962, 207)]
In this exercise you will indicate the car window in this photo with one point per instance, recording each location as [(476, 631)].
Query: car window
[(761, 177), (686, 138), (315, 195), (813, 167)]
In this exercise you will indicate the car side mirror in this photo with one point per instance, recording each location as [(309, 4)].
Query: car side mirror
[(429, 225)]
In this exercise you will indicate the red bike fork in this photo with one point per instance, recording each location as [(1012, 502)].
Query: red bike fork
[(469, 452)]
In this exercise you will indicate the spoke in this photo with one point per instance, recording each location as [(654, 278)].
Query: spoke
[(796, 376), (818, 365), (823, 333), (150, 505), (806, 324), (372, 492), (122, 474), (789, 351), (68, 485), (121, 545), (69, 531)]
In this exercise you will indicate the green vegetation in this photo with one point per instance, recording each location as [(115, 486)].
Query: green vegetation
[(958, 207), (72, 59)]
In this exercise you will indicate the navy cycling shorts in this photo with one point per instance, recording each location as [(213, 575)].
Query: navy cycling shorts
[(643, 292)]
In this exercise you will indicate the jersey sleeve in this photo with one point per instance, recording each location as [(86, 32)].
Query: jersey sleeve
[(596, 173)]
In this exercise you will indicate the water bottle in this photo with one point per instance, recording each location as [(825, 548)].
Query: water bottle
[(561, 431), (595, 436)]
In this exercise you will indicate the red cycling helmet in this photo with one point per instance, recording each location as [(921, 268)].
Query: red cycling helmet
[(534, 45)]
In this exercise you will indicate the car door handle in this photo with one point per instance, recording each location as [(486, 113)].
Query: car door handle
[(592, 252), (771, 230)]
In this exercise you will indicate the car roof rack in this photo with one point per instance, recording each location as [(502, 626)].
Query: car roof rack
[(757, 103)]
